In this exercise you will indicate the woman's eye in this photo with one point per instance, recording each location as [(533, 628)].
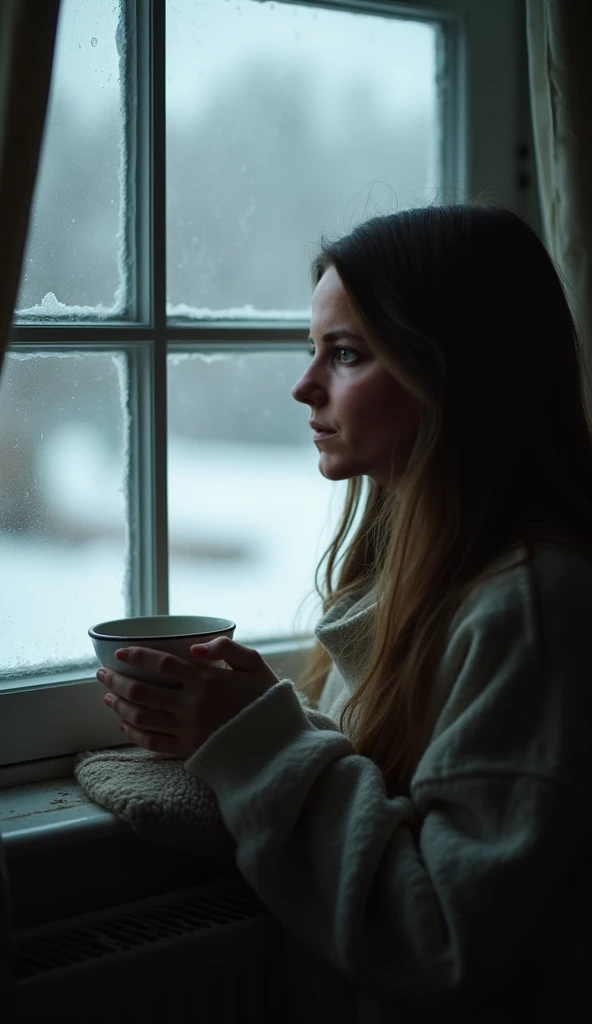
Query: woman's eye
[(350, 353), (343, 356)]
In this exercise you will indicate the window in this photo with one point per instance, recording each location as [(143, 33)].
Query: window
[(152, 457)]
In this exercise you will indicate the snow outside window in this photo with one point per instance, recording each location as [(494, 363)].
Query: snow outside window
[(283, 122)]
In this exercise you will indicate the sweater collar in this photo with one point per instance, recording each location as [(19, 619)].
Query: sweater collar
[(345, 632)]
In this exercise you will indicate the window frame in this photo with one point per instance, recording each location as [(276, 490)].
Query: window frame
[(482, 129)]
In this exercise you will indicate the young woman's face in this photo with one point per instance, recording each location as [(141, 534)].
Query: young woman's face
[(359, 412)]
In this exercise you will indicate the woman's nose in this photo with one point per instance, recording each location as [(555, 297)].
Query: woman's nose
[(309, 389)]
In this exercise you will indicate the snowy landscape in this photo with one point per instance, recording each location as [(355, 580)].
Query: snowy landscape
[(269, 509), (314, 120)]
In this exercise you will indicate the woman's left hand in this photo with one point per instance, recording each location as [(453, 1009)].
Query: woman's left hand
[(199, 698)]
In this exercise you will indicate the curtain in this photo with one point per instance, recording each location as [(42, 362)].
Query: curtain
[(27, 37), (559, 34)]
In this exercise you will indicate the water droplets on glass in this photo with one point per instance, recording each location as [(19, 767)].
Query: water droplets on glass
[(63, 506), (76, 264)]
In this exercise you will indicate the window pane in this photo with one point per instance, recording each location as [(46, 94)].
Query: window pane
[(249, 512), (74, 258), (63, 534), (284, 121)]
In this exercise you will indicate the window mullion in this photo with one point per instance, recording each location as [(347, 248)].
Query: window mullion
[(453, 100), (147, 464), (159, 493), (140, 481), (159, 490)]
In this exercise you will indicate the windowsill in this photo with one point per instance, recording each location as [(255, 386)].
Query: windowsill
[(42, 806), (68, 716), (66, 856), (47, 814)]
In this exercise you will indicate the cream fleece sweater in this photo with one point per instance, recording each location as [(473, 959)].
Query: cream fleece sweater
[(473, 894)]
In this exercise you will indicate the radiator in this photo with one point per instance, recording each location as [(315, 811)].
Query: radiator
[(211, 954)]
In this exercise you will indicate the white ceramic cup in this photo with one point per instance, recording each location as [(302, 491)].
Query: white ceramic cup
[(174, 634)]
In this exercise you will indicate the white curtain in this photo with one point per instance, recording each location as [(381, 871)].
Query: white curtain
[(560, 68)]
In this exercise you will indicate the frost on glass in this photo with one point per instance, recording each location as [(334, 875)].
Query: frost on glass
[(75, 263), (283, 122), (63, 533), (249, 512)]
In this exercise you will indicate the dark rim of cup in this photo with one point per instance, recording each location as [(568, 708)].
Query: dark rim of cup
[(158, 636)]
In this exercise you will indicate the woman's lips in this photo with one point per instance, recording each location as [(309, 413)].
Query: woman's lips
[(321, 431)]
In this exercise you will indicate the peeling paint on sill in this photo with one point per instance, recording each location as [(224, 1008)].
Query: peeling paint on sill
[(51, 813)]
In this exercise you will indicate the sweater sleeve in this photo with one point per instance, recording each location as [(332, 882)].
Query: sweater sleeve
[(316, 718), (430, 899)]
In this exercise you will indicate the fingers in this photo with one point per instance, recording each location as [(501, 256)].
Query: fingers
[(140, 717), (169, 666), (235, 655), (158, 743), (147, 694)]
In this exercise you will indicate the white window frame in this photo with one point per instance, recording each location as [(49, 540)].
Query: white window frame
[(484, 123)]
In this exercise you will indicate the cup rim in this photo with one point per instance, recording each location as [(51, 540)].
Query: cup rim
[(95, 633)]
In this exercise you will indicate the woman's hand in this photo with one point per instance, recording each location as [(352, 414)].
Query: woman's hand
[(199, 698)]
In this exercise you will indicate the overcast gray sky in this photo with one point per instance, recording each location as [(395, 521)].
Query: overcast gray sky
[(392, 58)]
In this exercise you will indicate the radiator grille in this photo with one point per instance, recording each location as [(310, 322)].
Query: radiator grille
[(105, 935)]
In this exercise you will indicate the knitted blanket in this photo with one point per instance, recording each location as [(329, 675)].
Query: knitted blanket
[(159, 799)]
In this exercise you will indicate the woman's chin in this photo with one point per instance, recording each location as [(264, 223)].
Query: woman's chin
[(333, 469)]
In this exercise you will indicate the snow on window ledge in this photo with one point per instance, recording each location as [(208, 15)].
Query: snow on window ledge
[(247, 313), (50, 309)]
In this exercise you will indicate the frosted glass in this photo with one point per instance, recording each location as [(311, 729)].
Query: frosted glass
[(249, 513), (74, 258), (284, 121), (63, 522)]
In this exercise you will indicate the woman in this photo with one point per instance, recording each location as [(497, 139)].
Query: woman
[(434, 849)]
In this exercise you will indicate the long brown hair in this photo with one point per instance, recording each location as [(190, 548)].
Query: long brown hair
[(465, 308)]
